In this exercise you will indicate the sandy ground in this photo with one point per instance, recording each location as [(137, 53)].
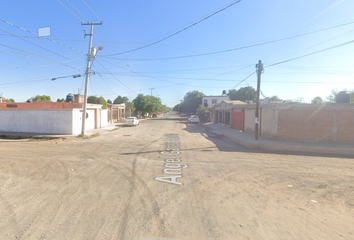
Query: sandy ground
[(105, 188)]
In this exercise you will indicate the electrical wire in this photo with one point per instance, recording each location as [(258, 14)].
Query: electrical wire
[(179, 31), (115, 77), (76, 9), (231, 49), (24, 29), (313, 53), (244, 79), (69, 10), (36, 55)]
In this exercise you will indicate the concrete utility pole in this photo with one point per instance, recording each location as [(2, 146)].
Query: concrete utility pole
[(259, 70), (90, 56), (151, 90)]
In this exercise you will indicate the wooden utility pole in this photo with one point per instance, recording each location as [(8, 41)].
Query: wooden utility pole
[(259, 70)]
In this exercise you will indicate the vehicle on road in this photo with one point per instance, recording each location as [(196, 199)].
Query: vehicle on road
[(132, 121), (194, 119), (154, 115), (190, 117)]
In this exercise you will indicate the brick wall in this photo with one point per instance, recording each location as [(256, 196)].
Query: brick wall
[(304, 122), (345, 125), (315, 124)]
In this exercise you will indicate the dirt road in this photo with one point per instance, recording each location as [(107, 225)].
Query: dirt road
[(114, 187)]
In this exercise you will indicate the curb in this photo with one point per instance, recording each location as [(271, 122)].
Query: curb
[(279, 147)]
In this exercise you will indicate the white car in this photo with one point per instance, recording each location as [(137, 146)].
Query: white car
[(190, 117), (194, 119), (132, 121)]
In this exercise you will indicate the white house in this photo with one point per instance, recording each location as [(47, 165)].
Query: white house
[(209, 101), (50, 118)]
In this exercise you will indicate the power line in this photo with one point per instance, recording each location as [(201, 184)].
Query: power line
[(244, 79), (182, 30), (232, 49), (36, 55), (313, 53), (77, 9), (115, 77), (69, 10), (35, 44), (24, 29)]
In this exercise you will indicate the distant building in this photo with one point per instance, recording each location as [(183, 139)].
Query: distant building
[(209, 101)]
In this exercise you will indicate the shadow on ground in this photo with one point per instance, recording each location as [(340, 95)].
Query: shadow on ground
[(224, 144)]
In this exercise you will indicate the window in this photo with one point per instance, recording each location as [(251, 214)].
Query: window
[(214, 101), (205, 103)]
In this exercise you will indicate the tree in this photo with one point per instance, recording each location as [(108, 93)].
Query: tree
[(125, 99), (203, 113), (8, 100), (244, 94), (41, 98), (332, 97), (177, 108), (61, 100), (109, 101), (275, 99), (97, 100), (191, 101), (317, 100), (148, 104), (120, 100)]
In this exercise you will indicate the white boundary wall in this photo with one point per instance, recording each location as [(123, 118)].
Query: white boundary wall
[(50, 121)]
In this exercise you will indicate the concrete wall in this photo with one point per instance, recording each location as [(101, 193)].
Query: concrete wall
[(249, 119), (304, 122), (104, 118), (50, 121)]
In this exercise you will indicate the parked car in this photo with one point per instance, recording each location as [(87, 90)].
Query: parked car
[(132, 121), (194, 119), (190, 117), (154, 115)]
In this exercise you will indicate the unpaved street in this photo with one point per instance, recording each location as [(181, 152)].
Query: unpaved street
[(105, 188)]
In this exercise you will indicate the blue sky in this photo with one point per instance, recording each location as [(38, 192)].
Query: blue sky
[(272, 31)]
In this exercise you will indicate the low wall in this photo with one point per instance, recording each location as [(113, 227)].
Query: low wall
[(304, 122), (45, 121)]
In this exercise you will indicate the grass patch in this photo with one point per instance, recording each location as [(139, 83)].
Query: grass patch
[(88, 137), (115, 129)]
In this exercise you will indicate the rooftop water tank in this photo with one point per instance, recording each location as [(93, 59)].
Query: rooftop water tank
[(69, 98), (343, 97)]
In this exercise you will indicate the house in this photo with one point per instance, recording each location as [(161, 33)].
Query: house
[(332, 122), (209, 101), (224, 113), (50, 117), (116, 112)]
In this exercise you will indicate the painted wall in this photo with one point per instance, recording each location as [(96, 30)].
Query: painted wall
[(104, 118), (219, 99), (50, 121)]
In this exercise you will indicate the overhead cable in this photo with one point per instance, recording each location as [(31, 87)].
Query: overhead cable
[(24, 29), (313, 53), (179, 31), (234, 49)]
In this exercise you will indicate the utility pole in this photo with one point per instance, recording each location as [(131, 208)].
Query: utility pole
[(259, 70), (90, 56), (151, 90)]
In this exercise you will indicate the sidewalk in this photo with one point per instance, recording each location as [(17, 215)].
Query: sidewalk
[(19, 135), (247, 140)]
